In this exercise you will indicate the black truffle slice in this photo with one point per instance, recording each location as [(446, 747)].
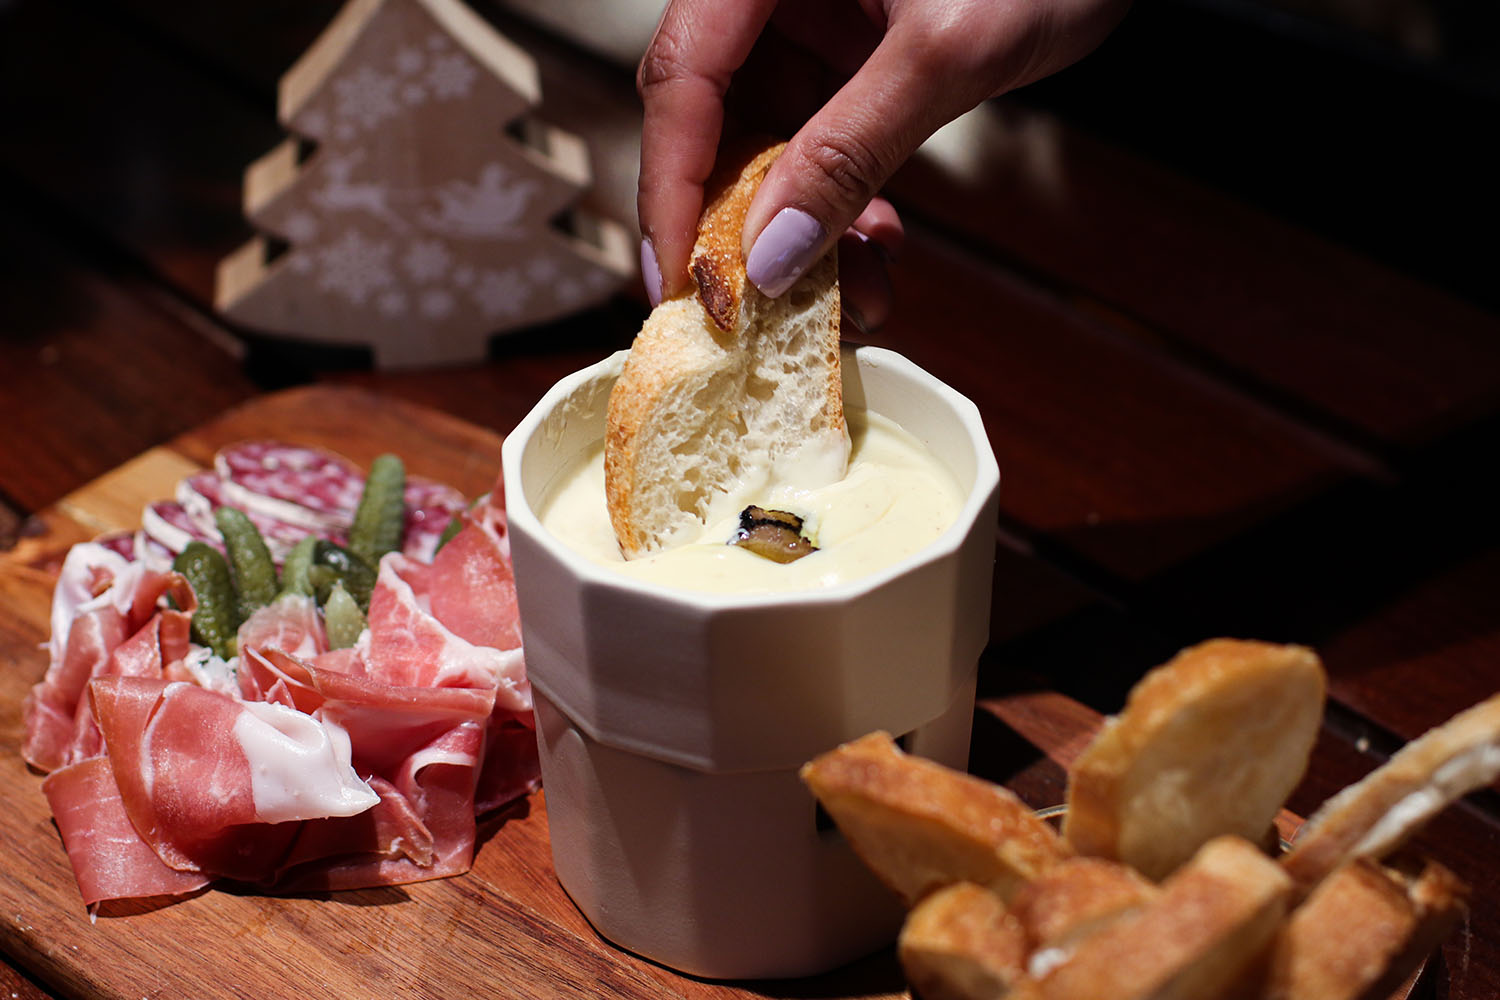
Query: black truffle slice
[(772, 534)]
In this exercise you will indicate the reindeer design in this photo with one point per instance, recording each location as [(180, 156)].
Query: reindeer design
[(339, 195)]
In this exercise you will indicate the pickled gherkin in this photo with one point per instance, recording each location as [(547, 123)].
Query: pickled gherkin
[(342, 618), (332, 563), (381, 516), (216, 619), (250, 564), (294, 568)]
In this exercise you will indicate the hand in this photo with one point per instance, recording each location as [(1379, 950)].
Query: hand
[(860, 83)]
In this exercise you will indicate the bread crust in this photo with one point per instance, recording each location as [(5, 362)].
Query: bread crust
[(960, 943), (1379, 813), (920, 826), (702, 362), (718, 262), (1214, 919), (1361, 933), (1210, 743)]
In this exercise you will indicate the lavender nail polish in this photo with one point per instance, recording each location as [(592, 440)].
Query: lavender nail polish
[(783, 250), (650, 273)]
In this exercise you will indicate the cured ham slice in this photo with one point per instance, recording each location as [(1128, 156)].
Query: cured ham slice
[(104, 620), (291, 766), (110, 860)]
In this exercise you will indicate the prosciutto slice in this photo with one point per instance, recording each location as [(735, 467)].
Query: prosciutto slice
[(292, 766)]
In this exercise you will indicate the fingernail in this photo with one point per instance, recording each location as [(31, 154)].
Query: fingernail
[(856, 319), (650, 273), (783, 250)]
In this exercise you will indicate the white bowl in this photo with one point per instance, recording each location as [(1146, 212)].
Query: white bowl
[(672, 723)]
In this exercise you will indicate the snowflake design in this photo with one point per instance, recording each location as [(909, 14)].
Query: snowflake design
[(436, 303), (410, 60), (300, 263), (501, 293), (569, 292), (345, 132), (392, 302), (366, 97), (355, 267), (313, 123), (426, 260), (451, 75), (414, 94), (541, 270), (300, 227), (463, 277)]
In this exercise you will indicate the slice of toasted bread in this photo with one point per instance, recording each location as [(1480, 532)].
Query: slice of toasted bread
[(1214, 918), (1077, 897), (920, 826), (1210, 743), (959, 943), (1374, 816), (1362, 933), (724, 389)]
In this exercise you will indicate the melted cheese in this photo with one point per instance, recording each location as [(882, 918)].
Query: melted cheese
[(895, 499)]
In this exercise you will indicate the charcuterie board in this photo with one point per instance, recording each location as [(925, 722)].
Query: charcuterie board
[(504, 929)]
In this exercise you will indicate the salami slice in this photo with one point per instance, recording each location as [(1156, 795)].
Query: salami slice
[(201, 494), (121, 543), (430, 506), (309, 487), (168, 524)]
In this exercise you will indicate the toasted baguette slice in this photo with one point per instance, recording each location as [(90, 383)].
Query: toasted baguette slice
[(960, 943), (1214, 919), (1362, 933), (1374, 816), (920, 826), (1211, 743), (724, 389), (1077, 897)]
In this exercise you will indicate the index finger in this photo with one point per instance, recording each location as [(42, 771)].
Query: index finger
[(697, 47)]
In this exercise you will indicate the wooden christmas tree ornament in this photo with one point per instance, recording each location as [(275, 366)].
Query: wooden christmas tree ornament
[(432, 211)]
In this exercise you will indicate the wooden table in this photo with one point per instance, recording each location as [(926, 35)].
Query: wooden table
[(1228, 397)]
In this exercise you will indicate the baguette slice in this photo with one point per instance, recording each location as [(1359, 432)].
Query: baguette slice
[(920, 826), (1214, 920), (1362, 933), (1211, 743), (960, 943), (1376, 815), (1077, 897), (724, 389)]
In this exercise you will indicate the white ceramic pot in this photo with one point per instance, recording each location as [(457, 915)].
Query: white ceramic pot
[(672, 723)]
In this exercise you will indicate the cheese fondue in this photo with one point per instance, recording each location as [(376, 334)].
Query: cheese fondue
[(895, 499)]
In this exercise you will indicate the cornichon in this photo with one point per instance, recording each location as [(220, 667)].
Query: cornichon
[(294, 568), (381, 514), (216, 619), (342, 618), (455, 525), (249, 560), (334, 562)]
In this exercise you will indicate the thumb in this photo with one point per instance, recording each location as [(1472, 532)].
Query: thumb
[(841, 158)]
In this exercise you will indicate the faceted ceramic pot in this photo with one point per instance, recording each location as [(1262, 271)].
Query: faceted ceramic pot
[(672, 723)]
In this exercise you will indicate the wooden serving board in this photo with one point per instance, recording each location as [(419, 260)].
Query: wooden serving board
[(505, 929)]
